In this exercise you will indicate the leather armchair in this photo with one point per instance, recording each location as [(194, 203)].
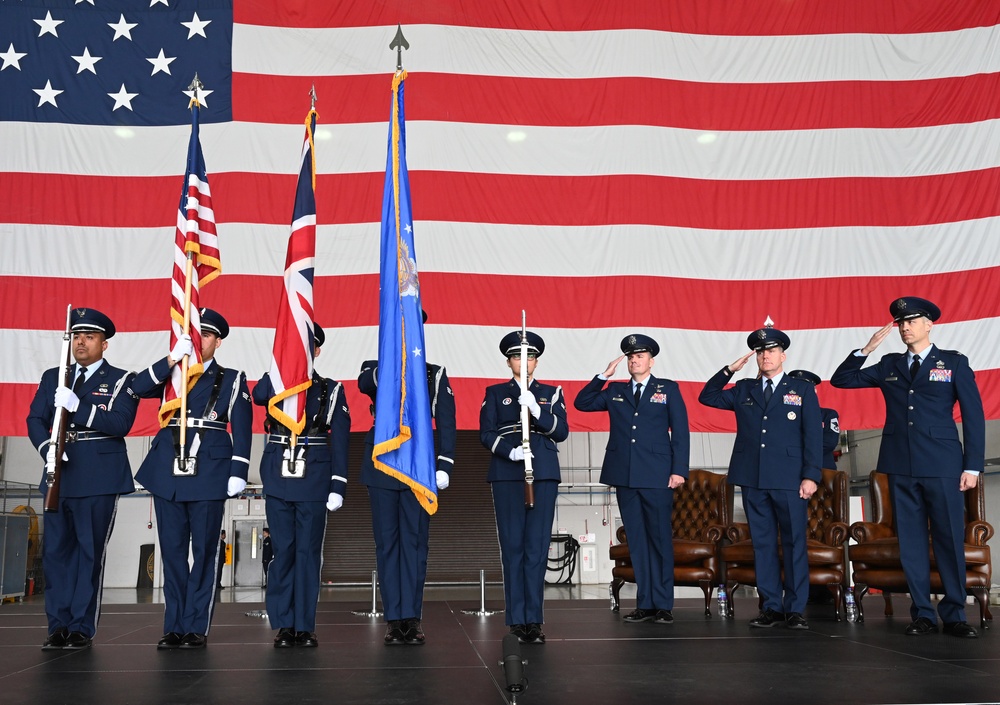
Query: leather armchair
[(876, 555), (827, 533), (702, 509)]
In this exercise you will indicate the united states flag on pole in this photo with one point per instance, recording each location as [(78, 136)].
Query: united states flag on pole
[(292, 358), (682, 168), (404, 437), (196, 263)]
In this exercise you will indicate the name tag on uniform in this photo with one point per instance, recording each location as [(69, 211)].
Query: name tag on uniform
[(891, 379), (659, 398), (617, 399), (940, 375), (793, 399)]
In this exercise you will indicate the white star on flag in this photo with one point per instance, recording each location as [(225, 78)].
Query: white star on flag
[(122, 98), (47, 94), (122, 28), (79, 1), (202, 94), (86, 62), (11, 58), (416, 352), (48, 25), (153, 2), (196, 26), (161, 63), (407, 227)]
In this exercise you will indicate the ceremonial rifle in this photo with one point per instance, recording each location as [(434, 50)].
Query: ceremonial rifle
[(529, 473), (57, 441)]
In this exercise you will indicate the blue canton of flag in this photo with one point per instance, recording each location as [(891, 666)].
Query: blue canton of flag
[(404, 437), (114, 62)]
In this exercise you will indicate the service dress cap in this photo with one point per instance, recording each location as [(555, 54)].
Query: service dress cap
[(90, 320), (907, 307), (637, 343), (764, 338), (319, 337), (805, 376), (213, 322), (510, 344)]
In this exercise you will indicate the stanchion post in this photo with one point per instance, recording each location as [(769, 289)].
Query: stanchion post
[(482, 611), (374, 610)]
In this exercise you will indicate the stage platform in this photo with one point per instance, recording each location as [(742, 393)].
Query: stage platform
[(591, 658)]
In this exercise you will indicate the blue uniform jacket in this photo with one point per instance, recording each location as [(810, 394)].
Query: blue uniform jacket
[(500, 430), (326, 464), (220, 456), (442, 410), (831, 437), (920, 437), (648, 443), (108, 405), (776, 447)]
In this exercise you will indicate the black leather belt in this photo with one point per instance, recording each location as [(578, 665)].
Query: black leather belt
[(301, 440), (200, 423), (79, 436)]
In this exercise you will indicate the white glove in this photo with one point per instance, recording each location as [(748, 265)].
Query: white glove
[(442, 480), (517, 453), (528, 399), (50, 456), (334, 501), (236, 485), (66, 399), (181, 348)]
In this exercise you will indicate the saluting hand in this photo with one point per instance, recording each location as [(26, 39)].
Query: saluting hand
[(738, 365), (877, 338), (612, 366)]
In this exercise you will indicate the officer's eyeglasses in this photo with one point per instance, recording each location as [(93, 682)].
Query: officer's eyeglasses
[(517, 356)]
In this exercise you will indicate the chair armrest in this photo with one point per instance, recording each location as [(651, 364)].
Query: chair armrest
[(863, 531), (738, 532), (978, 533), (715, 533), (836, 533)]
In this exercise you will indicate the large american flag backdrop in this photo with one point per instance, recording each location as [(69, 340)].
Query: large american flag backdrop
[(681, 168)]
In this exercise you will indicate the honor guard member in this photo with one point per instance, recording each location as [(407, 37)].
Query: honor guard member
[(831, 420), (297, 500), (101, 408), (776, 462), (524, 533), (646, 459), (399, 523), (928, 467), (189, 508)]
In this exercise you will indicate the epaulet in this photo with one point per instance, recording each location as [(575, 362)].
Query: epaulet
[(433, 369), (951, 352)]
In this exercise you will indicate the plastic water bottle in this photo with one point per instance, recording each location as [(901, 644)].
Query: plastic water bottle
[(851, 608), (723, 603)]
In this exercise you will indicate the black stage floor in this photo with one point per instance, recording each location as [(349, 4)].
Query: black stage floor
[(591, 658)]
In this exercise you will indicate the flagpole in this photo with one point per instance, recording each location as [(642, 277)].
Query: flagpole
[(185, 330)]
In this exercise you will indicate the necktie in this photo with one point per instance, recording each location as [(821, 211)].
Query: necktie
[(638, 393), (914, 367), (81, 376), (768, 391)]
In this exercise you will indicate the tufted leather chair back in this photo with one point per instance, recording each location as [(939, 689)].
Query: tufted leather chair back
[(828, 505), (704, 500)]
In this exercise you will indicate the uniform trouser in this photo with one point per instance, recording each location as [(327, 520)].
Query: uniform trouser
[(915, 500), (189, 588), (76, 541), (297, 532), (647, 513), (401, 528), (769, 511), (524, 536)]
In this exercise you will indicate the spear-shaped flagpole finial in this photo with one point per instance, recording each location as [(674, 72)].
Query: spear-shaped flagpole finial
[(195, 90), (769, 323), (399, 43), (312, 97)]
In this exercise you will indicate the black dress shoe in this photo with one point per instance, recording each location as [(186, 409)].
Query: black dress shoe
[(921, 626), (306, 639), (767, 618), (521, 632), (663, 617), (412, 633), (170, 640), (394, 632), (794, 620), (77, 640), (285, 638), (56, 640), (636, 616), (535, 634), (193, 641), (961, 629)]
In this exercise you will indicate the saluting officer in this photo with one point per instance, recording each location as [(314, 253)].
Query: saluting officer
[(189, 509), (101, 408), (928, 467), (776, 462), (646, 459), (401, 526), (297, 505), (831, 420), (524, 533)]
